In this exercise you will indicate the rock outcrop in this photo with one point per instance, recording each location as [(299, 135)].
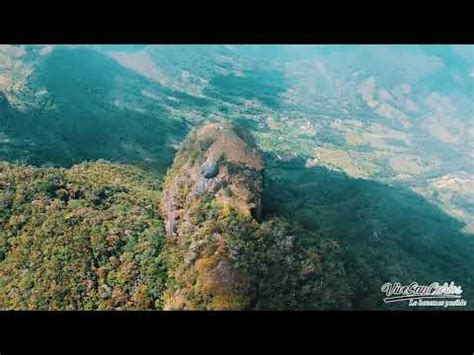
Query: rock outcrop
[(216, 174), (220, 255), (217, 162)]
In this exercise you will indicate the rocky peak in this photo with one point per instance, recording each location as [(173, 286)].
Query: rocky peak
[(214, 161), (216, 173)]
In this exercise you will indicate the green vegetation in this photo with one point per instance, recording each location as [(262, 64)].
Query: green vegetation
[(222, 257), (386, 233), (88, 238), (263, 85), (88, 121), (270, 267), (91, 237), (286, 274)]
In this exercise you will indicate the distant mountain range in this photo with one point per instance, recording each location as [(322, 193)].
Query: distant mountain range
[(336, 126), (392, 113)]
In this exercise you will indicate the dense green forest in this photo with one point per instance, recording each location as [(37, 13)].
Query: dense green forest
[(88, 237), (359, 173), (402, 237), (92, 237)]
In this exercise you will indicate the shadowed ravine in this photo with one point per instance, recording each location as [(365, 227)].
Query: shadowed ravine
[(388, 233), (236, 231)]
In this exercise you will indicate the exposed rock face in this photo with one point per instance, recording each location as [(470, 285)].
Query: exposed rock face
[(214, 161), (216, 172), (220, 255), (210, 169)]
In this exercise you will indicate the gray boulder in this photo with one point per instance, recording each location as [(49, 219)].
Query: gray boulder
[(209, 169)]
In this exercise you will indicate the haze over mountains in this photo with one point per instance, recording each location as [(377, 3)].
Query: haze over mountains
[(368, 145), (393, 113)]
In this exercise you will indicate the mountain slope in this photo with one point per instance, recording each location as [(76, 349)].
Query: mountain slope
[(91, 237), (98, 109), (365, 147), (84, 238), (223, 257)]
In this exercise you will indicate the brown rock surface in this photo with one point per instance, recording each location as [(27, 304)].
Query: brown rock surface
[(205, 273)]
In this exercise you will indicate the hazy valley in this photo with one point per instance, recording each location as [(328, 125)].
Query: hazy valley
[(366, 153)]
